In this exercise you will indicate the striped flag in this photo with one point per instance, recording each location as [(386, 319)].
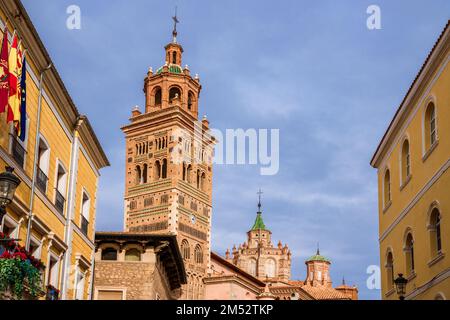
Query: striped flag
[(23, 101), (4, 72)]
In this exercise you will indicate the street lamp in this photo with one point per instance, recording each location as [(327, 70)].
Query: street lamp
[(400, 285), (8, 185)]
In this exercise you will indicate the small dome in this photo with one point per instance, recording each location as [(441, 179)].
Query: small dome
[(318, 257), (173, 68)]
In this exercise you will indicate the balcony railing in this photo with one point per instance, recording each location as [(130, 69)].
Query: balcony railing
[(18, 153), (59, 202), (41, 180), (84, 225)]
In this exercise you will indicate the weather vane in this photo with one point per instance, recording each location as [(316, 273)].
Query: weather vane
[(175, 21)]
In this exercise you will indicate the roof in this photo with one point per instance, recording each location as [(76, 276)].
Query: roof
[(259, 223), (248, 276), (324, 293), (399, 112), (170, 255), (318, 257)]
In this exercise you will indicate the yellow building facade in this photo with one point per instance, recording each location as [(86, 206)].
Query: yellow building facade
[(413, 161), (53, 213)]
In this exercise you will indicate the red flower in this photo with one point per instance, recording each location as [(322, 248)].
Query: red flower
[(6, 255)]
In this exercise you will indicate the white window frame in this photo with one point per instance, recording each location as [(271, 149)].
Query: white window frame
[(84, 192), (14, 225), (38, 243), (24, 144), (54, 280), (46, 167)]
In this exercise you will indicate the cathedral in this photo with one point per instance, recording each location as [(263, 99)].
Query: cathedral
[(168, 193)]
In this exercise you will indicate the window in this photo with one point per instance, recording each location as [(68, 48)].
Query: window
[(198, 254), (158, 96), (79, 289), (390, 270), (144, 174), (185, 250), (190, 100), (53, 274), (109, 254), (164, 169), (406, 161), (35, 248), (133, 255), (184, 171), (43, 166), (435, 232), (164, 199), (181, 200), (409, 250), (85, 208), (157, 170), (60, 191), (188, 173), (174, 57), (138, 175), (387, 188), (202, 181), (430, 126), (198, 179), (252, 267), (10, 227), (174, 93), (147, 202), (133, 205), (110, 295), (270, 268)]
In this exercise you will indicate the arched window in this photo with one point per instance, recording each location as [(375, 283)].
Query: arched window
[(184, 171), (164, 169), (190, 100), (203, 181), (174, 57), (158, 96), (157, 170), (435, 232), (144, 174), (133, 255), (189, 173), (109, 254), (138, 175), (251, 267), (198, 179), (270, 268), (406, 161), (198, 254), (430, 126), (390, 270), (185, 250), (174, 92), (387, 188), (409, 250)]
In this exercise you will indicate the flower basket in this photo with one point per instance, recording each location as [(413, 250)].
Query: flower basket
[(20, 272)]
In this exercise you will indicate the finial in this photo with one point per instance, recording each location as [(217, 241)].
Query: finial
[(175, 21), (186, 67), (343, 281), (259, 193), (318, 249), (196, 76)]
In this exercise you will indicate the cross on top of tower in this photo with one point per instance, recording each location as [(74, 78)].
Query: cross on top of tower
[(259, 193), (175, 21)]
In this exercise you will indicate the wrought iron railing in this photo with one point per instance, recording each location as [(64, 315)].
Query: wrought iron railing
[(41, 180), (18, 153), (84, 225), (59, 201)]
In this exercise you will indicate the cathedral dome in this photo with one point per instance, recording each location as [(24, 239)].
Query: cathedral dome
[(173, 68)]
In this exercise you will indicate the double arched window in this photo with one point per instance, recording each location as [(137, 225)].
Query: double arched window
[(198, 254), (185, 250)]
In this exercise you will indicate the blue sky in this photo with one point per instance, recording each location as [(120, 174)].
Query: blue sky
[(311, 69)]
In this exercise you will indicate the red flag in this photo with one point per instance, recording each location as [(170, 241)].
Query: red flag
[(4, 72), (14, 103)]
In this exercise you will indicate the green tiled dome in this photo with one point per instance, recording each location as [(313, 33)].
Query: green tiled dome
[(173, 68), (318, 257)]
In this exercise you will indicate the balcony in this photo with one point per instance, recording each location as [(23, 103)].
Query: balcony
[(84, 225), (18, 153), (59, 202), (41, 180)]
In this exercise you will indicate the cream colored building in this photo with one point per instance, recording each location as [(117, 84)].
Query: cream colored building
[(413, 160)]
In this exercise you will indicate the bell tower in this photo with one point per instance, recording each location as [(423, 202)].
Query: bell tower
[(168, 185)]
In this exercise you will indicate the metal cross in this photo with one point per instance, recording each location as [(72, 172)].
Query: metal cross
[(259, 193)]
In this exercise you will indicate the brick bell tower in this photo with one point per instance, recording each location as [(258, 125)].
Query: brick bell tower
[(168, 185)]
